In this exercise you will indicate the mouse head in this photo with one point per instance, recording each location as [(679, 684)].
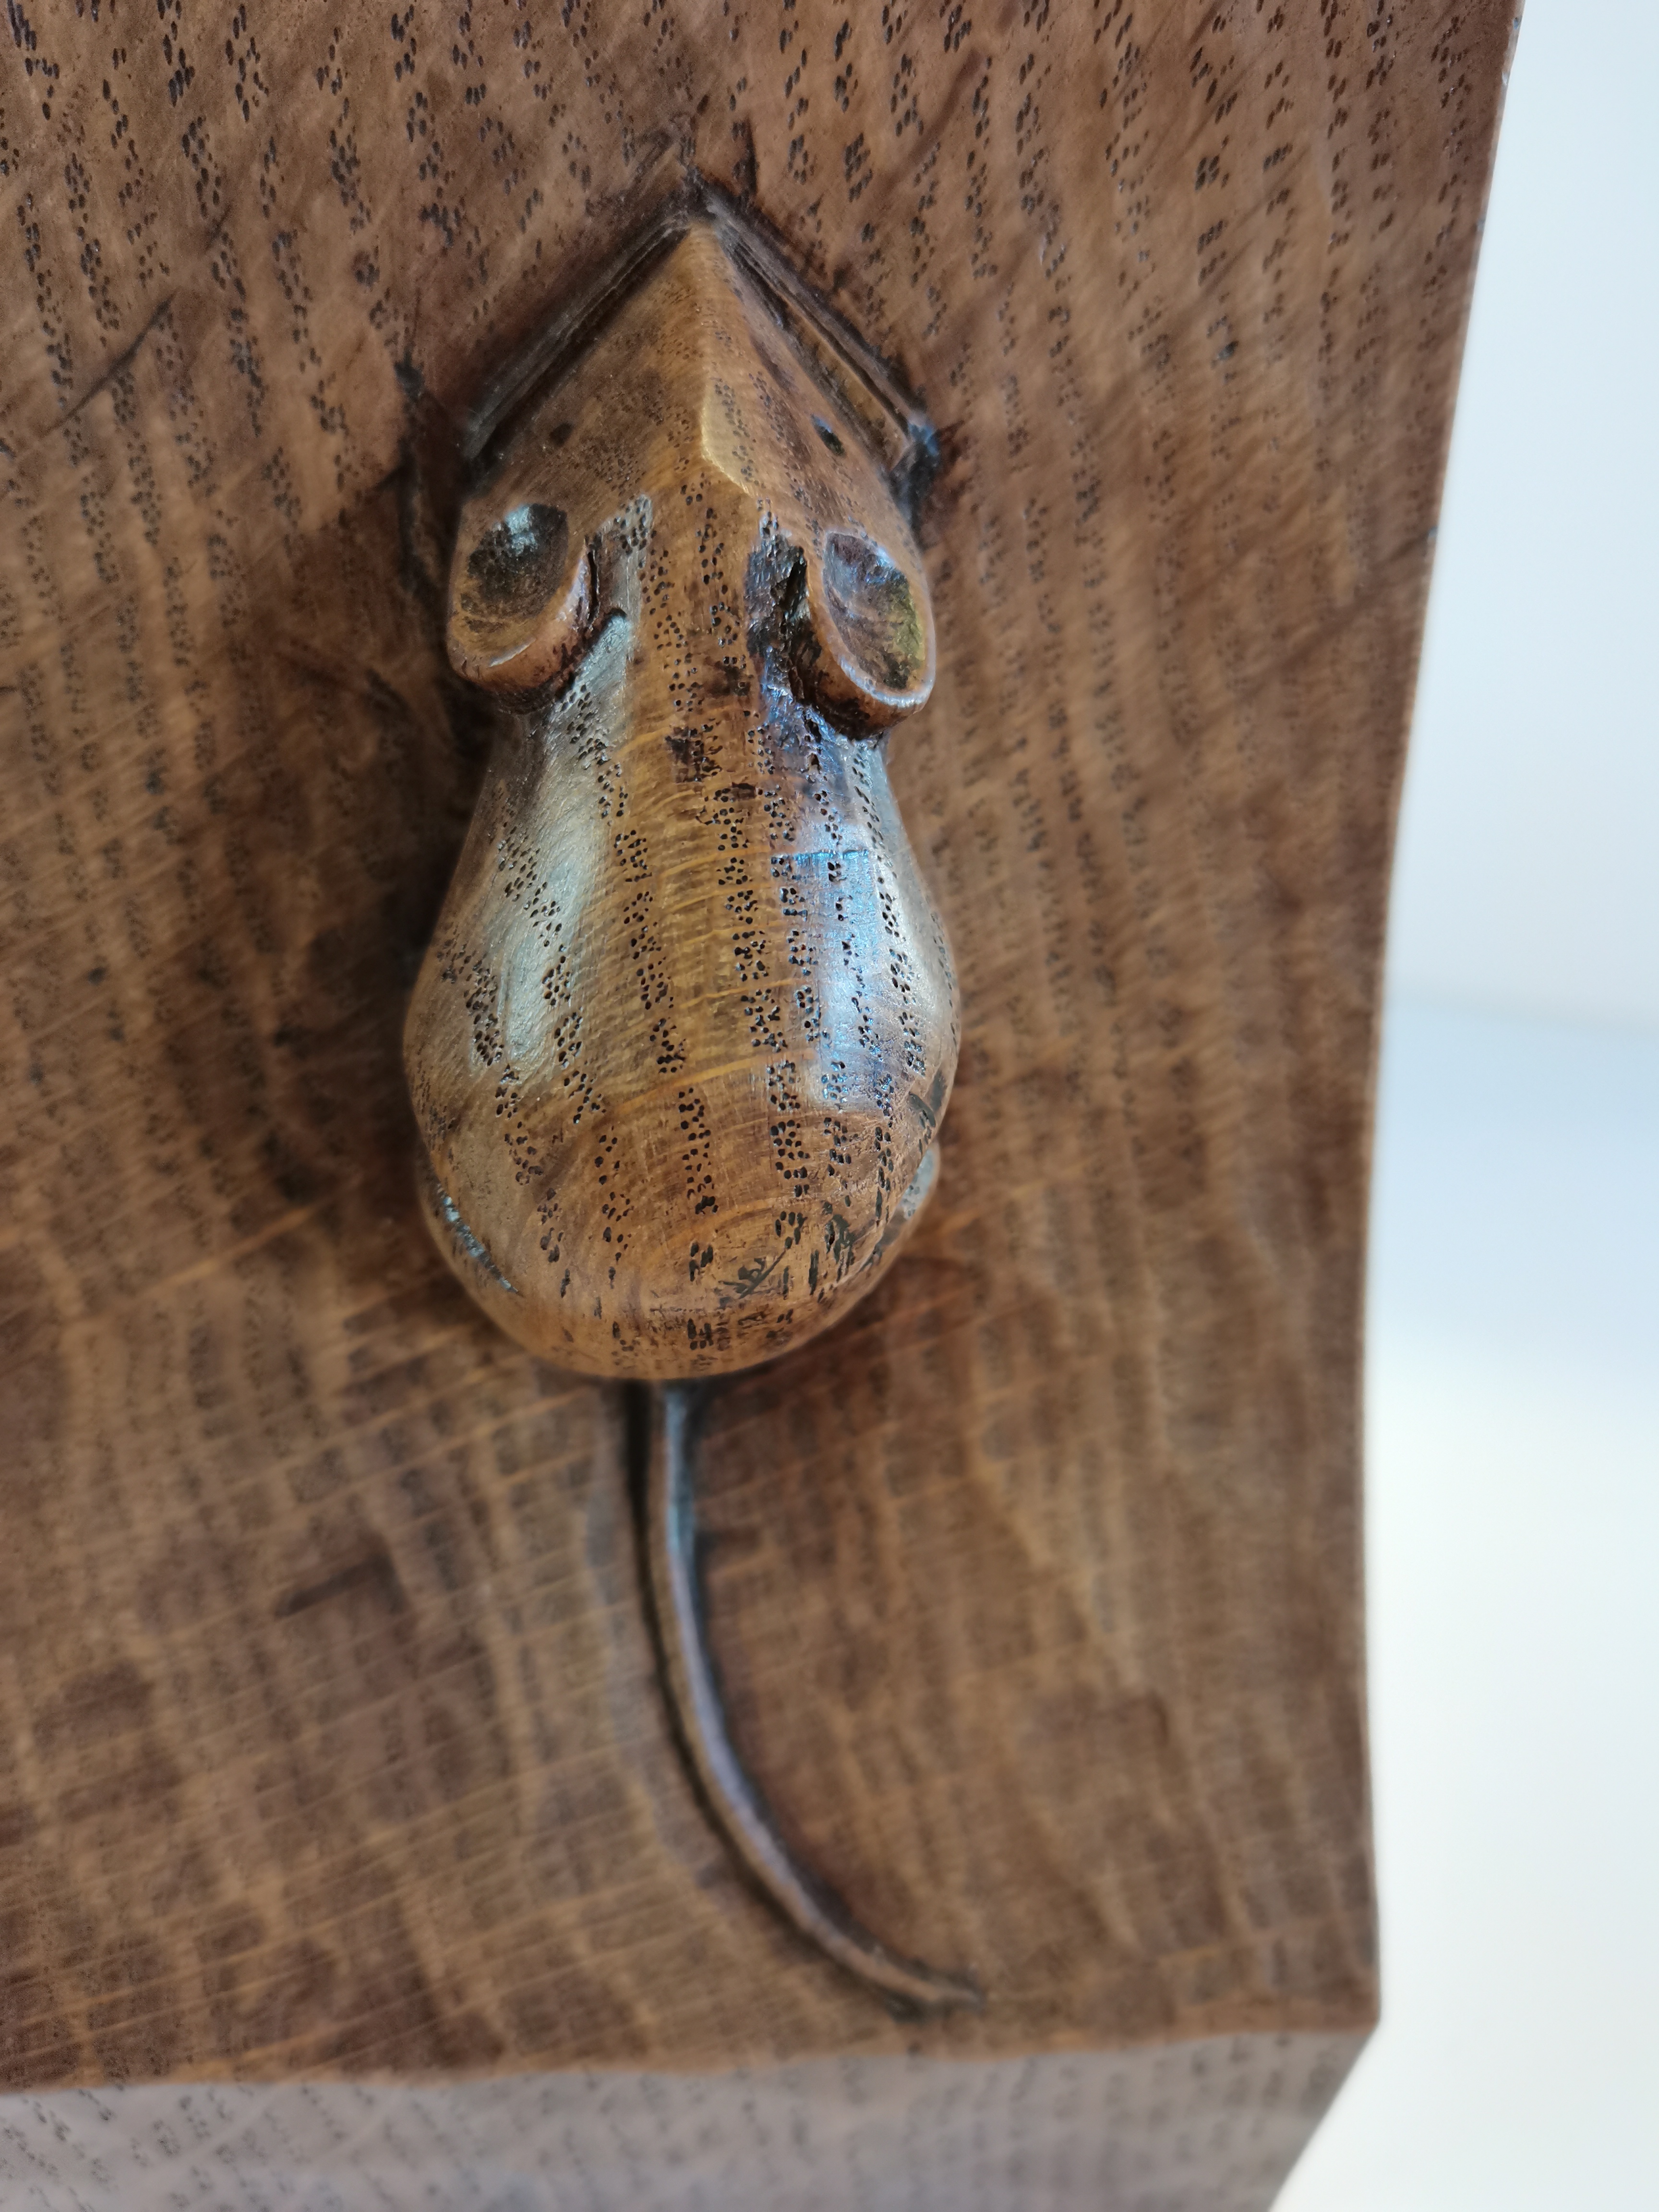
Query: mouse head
[(695, 374)]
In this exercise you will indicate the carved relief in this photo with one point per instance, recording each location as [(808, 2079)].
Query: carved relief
[(680, 1046)]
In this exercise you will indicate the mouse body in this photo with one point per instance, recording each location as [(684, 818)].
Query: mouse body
[(681, 1043)]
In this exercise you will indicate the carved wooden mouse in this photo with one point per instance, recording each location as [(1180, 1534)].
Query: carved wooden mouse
[(682, 1041), (680, 1045)]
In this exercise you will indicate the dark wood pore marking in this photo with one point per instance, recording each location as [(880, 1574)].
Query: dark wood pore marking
[(376, 1572)]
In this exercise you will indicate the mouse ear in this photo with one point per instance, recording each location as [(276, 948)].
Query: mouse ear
[(521, 596), (864, 651)]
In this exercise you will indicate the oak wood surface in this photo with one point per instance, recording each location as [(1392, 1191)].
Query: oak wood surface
[(329, 1736)]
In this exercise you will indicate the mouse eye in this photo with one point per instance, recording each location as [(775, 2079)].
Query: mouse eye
[(868, 657), (520, 603), (512, 571), (876, 621)]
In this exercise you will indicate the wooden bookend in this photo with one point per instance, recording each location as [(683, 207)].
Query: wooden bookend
[(333, 1741)]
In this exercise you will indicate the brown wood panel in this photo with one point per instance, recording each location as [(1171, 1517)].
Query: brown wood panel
[(329, 1739)]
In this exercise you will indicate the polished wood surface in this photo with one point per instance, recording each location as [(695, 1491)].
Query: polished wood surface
[(681, 1044), (330, 1737)]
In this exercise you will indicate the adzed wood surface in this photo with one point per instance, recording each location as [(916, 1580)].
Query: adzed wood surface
[(329, 1741)]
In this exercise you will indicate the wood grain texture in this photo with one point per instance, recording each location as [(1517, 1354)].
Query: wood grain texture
[(329, 1739)]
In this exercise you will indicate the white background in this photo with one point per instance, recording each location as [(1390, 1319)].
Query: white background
[(1513, 1382), (1526, 869)]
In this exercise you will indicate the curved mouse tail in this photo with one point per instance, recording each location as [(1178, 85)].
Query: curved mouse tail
[(729, 1794)]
